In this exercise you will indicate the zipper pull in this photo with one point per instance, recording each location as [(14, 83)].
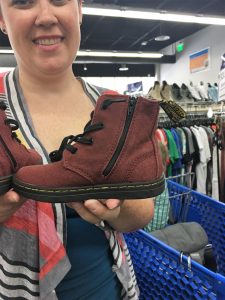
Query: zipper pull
[(132, 104), (108, 102)]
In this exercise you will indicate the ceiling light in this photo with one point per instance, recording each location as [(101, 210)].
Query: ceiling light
[(162, 38), (148, 15), (123, 68), (120, 54), (6, 51), (85, 68), (144, 43), (107, 54)]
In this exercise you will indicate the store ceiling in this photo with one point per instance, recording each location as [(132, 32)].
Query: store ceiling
[(105, 33), (125, 34)]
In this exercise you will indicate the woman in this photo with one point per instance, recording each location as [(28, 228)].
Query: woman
[(51, 103)]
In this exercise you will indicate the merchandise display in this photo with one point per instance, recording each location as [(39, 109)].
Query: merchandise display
[(155, 91), (112, 150)]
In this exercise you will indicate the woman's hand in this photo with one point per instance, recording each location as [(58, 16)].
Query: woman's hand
[(122, 215), (9, 204), (95, 211)]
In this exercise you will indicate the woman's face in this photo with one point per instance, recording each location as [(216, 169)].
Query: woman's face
[(45, 34)]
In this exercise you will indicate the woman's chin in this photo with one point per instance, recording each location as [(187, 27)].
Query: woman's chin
[(53, 69)]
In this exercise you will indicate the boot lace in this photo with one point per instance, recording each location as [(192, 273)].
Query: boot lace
[(13, 124), (81, 138)]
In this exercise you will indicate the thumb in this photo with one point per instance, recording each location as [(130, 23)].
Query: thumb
[(11, 197), (112, 203)]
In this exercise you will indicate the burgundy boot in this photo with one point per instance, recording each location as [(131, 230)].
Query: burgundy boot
[(13, 155), (117, 156)]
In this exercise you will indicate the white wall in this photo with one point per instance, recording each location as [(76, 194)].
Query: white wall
[(119, 84), (212, 37)]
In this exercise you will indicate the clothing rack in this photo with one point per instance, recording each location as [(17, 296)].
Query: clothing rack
[(192, 118), (198, 107)]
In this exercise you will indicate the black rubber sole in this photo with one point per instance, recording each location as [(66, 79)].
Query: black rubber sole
[(138, 190), (5, 184)]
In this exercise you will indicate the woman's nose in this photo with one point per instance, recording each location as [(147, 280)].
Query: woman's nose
[(45, 14)]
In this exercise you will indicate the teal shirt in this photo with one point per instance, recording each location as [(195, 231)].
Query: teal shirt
[(91, 276)]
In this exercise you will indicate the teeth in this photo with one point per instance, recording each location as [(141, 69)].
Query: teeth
[(47, 42)]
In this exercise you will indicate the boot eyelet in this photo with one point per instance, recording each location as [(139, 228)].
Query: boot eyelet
[(73, 150), (12, 123)]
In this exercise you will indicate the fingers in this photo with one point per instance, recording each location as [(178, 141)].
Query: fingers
[(84, 213), (9, 203), (94, 211), (11, 197), (113, 203)]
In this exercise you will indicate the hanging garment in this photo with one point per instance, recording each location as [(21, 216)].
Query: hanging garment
[(210, 135), (205, 155), (173, 151), (222, 167), (215, 179), (178, 165)]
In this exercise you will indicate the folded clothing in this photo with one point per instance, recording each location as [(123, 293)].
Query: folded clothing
[(189, 238)]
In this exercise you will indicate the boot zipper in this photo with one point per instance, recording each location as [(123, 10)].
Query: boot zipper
[(130, 112)]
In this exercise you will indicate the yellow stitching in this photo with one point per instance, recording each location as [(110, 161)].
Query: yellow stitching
[(89, 189), (5, 180)]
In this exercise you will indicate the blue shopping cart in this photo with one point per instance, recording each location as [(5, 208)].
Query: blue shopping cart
[(161, 274)]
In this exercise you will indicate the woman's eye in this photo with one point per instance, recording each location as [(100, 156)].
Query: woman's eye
[(22, 3), (59, 2)]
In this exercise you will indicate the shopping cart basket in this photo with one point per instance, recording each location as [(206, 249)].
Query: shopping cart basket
[(160, 271)]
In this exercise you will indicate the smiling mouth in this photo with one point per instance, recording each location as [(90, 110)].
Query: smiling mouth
[(47, 42)]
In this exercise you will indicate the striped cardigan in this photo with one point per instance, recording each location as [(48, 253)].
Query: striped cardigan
[(31, 263)]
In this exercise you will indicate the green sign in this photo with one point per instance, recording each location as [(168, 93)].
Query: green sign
[(180, 47)]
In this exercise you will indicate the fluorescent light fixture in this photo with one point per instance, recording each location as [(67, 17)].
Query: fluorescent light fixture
[(120, 54), (148, 15), (107, 54), (6, 51), (123, 68), (162, 38)]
